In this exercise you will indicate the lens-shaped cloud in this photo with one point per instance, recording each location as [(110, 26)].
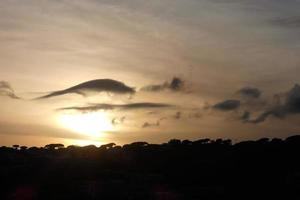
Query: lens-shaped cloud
[(98, 85)]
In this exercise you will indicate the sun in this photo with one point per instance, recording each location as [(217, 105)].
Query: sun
[(93, 125)]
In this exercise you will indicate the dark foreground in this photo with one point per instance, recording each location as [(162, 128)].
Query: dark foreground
[(202, 169)]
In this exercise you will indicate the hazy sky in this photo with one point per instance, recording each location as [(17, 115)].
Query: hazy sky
[(200, 68)]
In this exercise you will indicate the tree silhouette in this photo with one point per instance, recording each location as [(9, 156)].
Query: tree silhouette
[(23, 148), (54, 146), (201, 169)]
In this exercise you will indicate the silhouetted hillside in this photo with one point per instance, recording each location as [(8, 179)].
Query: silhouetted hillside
[(202, 169)]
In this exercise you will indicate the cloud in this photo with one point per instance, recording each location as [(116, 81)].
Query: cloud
[(195, 115), (227, 105), (246, 116), (148, 124), (98, 85), (6, 90), (176, 84), (290, 22), (131, 106), (178, 115), (116, 121), (278, 112), (288, 106), (250, 92)]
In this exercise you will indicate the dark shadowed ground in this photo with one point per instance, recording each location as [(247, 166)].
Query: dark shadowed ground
[(202, 169)]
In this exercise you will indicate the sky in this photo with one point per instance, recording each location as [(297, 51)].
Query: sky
[(99, 71)]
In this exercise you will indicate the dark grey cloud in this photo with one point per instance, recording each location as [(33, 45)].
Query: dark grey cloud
[(290, 104), (249, 92), (98, 85), (246, 116), (148, 124), (289, 22), (131, 106), (176, 84), (227, 105), (118, 120), (278, 112), (7, 90)]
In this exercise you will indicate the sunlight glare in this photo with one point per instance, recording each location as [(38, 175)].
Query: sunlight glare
[(89, 124)]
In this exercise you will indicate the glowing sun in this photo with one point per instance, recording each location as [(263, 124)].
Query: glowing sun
[(89, 124)]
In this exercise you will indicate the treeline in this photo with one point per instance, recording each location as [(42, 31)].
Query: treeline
[(200, 169)]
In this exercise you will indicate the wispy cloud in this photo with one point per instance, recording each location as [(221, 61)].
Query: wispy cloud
[(178, 115), (245, 117), (118, 120), (131, 106), (176, 84), (149, 124), (289, 22), (7, 90), (249, 92), (195, 115)]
